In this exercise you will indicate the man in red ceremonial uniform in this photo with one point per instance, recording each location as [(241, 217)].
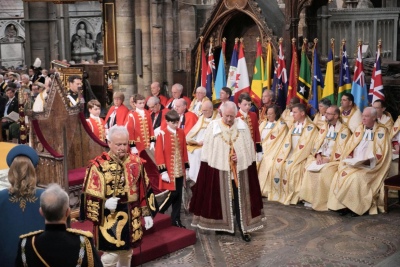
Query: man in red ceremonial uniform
[(176, 91), (155, 91), (172, 162), (138, 123), (250, 118), (187, 119), (114, 199)]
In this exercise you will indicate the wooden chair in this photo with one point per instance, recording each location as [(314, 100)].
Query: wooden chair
[(392, 183)]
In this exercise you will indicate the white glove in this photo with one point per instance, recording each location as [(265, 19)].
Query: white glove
[(165, 177), (152, 146), (187, 174), (111, 203), (148, 222), (259, 156), (134, 150)]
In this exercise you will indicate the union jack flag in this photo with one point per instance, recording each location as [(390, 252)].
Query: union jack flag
[(376, 88), (280, 80)]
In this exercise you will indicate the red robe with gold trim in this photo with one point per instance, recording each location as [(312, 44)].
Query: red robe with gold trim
[(165, 156), (97, 127), (186, 124), (140, 129)]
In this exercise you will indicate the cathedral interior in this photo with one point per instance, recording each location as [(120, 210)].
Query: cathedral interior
[(125, 45)]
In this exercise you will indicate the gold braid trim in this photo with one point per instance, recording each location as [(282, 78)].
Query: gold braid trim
[(37, 253), (89, 253)]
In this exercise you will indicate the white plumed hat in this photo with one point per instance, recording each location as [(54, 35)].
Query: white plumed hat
[(37, 63)]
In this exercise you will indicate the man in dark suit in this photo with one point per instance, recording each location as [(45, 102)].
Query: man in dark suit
[(10, 105), (57, 245)]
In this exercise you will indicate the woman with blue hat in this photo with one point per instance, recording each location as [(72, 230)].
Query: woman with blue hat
[(19, 204)]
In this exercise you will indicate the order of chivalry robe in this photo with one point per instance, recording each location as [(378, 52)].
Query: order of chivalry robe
[(211, 203)]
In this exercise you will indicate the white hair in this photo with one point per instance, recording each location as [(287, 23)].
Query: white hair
[(178, 86), (117, 129), (229, 105), (201, 89), (153, 99)]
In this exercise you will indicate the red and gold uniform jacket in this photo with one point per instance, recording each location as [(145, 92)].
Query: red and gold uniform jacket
[(171, 156), (108, 177), (97, 127), (141, 132)]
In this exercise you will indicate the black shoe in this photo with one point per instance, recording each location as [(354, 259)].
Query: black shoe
[(178, 224), (246, 237), (343, 212)]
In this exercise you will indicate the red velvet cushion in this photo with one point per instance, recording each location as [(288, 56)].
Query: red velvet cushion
[(393, 181), (76, 176)]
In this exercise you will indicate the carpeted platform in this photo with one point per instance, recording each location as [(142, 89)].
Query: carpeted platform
[(158, 241), (5, 147)]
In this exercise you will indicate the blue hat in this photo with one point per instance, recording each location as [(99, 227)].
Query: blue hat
[(22, 150)]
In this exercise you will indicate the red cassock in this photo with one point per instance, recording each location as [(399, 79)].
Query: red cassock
[(252, 121), (121, 113), (163, 99), (166, 145), (97, 127), (188, 102), (140, 129)]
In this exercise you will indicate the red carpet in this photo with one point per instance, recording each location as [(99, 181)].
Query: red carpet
[(158, 241)]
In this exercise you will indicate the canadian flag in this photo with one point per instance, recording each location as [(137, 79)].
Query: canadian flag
[(242, 75)]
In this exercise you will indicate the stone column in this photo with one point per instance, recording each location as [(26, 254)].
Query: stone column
[(187, 39), (146, 46), (169, 43), (39, 22), (324, 26), (127, 82), (157, 57)]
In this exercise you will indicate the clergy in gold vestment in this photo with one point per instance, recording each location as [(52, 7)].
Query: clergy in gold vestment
[(287, 115), (359, 187), (272, 130), (351, 115), (195, 138), (384, 117), (319, 118), (288, 166), (328, 150), (395, 137), (199, 100)]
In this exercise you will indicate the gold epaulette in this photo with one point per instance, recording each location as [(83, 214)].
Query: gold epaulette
[(80, 232), (31, 234)]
